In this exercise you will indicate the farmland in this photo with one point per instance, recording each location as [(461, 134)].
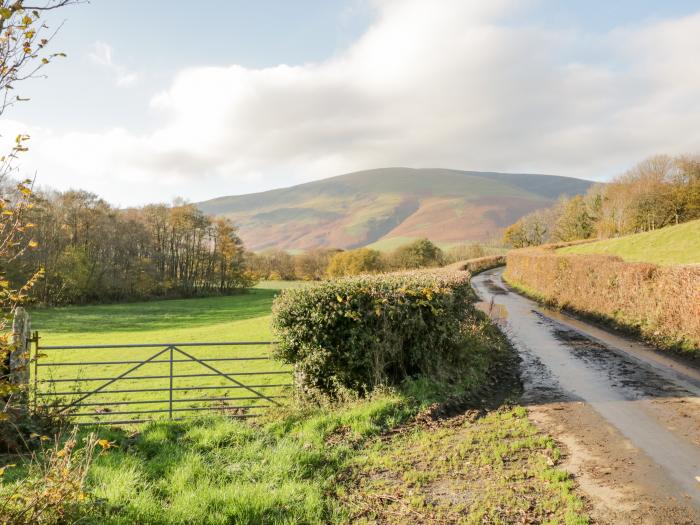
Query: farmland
[(243, 317), (303, 463)]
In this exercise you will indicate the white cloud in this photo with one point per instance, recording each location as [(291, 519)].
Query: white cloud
[(448, 84), (101, 55)]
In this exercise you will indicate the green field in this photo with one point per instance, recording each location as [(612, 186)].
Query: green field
[(671, 245), (244, 317)]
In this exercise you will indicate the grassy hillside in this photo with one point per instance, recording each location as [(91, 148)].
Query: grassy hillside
[(672, 245), (378, 206)]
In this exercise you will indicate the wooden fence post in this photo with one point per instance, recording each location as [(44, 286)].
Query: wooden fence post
[(19, 356)]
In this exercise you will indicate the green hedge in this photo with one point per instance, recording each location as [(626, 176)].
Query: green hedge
[(356, 333)]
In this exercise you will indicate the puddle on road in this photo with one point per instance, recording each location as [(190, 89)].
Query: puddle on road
[(632, 379)]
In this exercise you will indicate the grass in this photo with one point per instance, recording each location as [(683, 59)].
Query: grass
[(218, 471), (244, 317), (671, 245), (380, 459), (468, 469), (384, 456)]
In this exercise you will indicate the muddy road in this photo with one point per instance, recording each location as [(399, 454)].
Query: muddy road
[(628, 418)]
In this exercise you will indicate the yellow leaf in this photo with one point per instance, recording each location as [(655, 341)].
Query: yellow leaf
[(104, 444)]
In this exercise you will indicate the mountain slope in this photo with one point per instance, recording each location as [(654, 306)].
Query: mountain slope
[(360, 208)]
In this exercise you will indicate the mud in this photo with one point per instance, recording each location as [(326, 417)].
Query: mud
[(628, 418)]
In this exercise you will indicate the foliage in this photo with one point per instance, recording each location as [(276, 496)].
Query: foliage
[(23, 45), (478, 265), (313, 265), (465, 252), (420, 253), (355, 262), (354, 334), (273, 264), (575, 221), (658, 192), (531, 230), (92, 252), (23, 53), (660, 303), (52, 490)]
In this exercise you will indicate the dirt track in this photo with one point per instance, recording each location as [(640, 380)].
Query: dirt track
[(627, 416)]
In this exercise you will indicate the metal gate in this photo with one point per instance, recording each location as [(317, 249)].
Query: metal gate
[(135, 383)]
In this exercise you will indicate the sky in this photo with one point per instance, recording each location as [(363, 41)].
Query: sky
[(164, 99)]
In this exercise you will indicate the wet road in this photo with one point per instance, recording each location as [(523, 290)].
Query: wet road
[(653, 401)]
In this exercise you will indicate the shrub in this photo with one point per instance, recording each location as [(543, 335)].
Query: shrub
[(661, 303), (354, 334), (52, 491)]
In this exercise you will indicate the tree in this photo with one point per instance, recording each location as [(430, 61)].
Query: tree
[(355, 262), (575, 221), (22, 55), (655, 193), (312, 265), (420, 253)]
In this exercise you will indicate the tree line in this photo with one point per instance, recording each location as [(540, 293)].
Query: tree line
[(328, 263), (657, 192), (92, 252)]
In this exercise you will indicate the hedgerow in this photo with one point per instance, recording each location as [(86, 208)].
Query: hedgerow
[(353, 334), (479, 264), (660, 303)]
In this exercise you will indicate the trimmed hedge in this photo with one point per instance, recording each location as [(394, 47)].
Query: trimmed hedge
[(357, 333), (661, 303), (478, 265)]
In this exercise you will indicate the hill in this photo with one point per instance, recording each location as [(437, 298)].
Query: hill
[(364, 207), (678, 244)]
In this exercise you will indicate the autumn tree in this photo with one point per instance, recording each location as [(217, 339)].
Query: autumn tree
[(657, 192), (420, 253), (312, 265), (23, 54), (575, 221), (355, 262)]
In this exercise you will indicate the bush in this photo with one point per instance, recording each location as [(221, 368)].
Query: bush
[(356, 333), (661, 303), (52, 491)]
